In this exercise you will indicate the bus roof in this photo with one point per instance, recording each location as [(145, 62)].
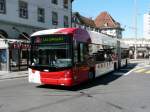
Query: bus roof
[(54, 31), (80, 35), (99, 38)]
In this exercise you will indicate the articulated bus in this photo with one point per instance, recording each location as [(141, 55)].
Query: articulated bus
[(70, 56)]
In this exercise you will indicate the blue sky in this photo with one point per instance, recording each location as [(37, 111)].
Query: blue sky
[(121, 10)]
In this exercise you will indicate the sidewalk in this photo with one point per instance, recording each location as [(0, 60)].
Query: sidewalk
[(12, 75)]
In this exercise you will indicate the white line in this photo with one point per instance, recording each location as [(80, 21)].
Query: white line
[(132, 71), (128, 72)]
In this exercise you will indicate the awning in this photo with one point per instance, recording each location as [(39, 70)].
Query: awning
[(3, 34)]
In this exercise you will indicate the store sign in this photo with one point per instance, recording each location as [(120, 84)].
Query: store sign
[(20, 46)]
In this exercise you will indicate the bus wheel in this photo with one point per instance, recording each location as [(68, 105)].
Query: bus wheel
[(91, 75)]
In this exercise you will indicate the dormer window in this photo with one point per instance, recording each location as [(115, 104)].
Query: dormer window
[(105, 24)]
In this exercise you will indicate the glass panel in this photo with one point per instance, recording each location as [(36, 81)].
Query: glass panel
[(55, 2), (54, 18), (2, 6), (23, 9), (55, 53), (41, 15)]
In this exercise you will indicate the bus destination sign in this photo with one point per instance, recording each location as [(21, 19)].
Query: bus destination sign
[(45, 40)]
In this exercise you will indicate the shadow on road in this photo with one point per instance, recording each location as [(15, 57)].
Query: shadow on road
[(103, 80)]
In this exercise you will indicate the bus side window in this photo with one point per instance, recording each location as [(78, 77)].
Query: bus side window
[(76, 52), (84, 52), (80, 51)]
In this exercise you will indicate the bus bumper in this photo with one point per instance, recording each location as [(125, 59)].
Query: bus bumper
[(61, 81)]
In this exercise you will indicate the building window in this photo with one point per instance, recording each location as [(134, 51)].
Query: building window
[(66, 4), (41, 15), (55, 2), (2, 6), (66, 23), (54, 18), (23, 9)]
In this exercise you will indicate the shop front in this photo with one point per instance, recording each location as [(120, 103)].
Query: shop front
[(18, 56), (14, 55)]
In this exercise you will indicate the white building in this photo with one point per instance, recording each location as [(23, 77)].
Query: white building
[(146, 22), (20, 18), (108, 25), (31, 15)]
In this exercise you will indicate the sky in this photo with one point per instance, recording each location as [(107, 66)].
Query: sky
[(121, 10)]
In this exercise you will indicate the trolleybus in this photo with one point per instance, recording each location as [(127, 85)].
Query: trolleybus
[(70, 56)]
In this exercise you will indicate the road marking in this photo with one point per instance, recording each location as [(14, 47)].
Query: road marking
[(137, 68), (140, 70), (147, 72), (128, 72)]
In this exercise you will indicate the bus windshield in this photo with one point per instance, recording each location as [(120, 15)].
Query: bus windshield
[(52, 54)]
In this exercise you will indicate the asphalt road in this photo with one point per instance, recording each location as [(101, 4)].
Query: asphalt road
[(120, 91)]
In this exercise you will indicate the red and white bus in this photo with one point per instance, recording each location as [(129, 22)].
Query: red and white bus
[(70, 56)]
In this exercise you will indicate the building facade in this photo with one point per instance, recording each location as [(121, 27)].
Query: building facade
[(32, 15), (80, 21), (103, 23), (146, 27), (20, 18), (108, 25)]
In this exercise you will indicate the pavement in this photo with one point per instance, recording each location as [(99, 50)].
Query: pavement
[(19, 74), (12, 75)]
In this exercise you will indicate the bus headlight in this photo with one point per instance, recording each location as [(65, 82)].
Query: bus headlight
[(68, 74)]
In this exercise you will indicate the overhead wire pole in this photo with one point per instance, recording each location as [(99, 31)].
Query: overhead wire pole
[(135, 28)]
